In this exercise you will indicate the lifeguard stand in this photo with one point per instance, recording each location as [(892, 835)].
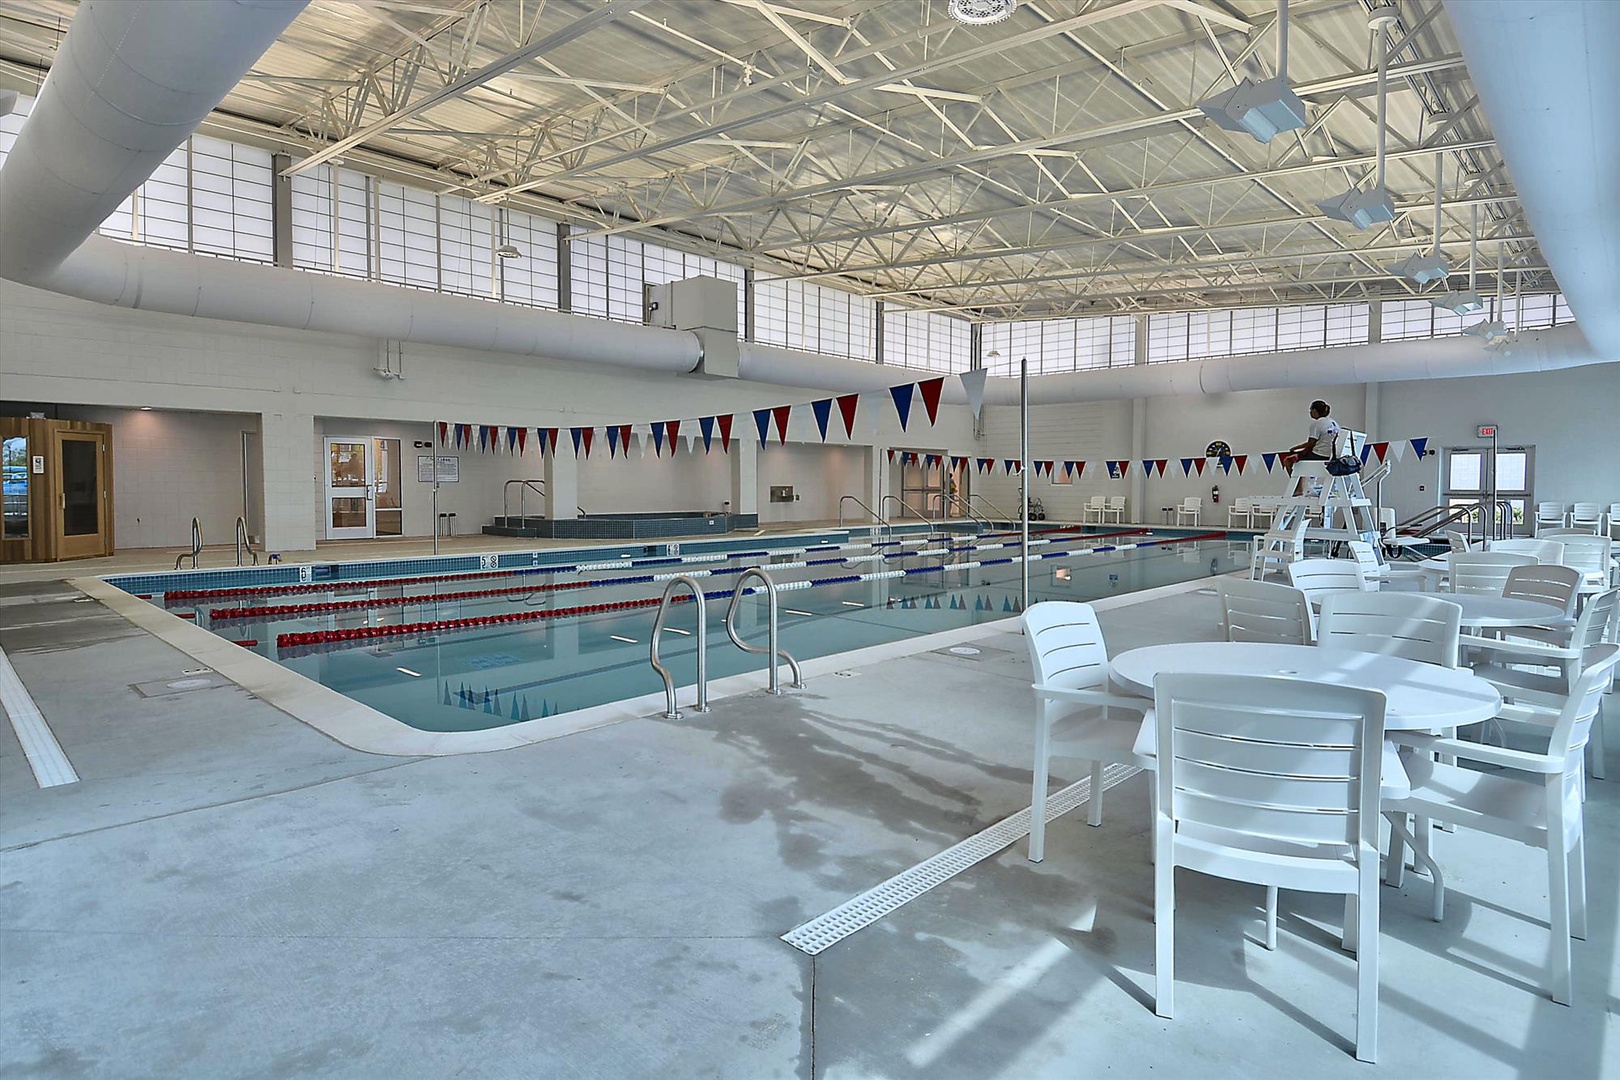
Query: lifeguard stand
[(1339, 504)]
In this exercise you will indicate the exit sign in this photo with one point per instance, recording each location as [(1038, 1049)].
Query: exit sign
[(1487, 431)]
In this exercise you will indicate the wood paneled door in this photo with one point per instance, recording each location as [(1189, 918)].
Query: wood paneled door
[(58, 490)]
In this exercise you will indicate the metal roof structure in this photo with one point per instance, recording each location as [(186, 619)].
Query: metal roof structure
[(1053, 163)]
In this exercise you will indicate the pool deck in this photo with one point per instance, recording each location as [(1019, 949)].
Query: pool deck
[(226, 892)]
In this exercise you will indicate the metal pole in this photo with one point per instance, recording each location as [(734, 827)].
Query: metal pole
[(1496, 525), (1023, 449), (433, 444)]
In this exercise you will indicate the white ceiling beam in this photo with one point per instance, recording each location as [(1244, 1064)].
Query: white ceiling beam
[(1209, 13), (556, 39)]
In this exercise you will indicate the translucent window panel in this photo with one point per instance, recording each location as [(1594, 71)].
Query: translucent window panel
[(465, 252), (1301, 327), (354, 255), (312, 218), (165, 212), (1405, 320), (1562, 312), (1122, 334), (1513, 470), (998, 339), (625, 296), (1529, 312), (531, 279), (230, 200), (1465, 470), (1092, 343), (1346, 324), (120, 224), (1446, 324), (1209, 333), (391, 232), (1167, 337), (770, 311), (420, 238), (1254, 330), (588, 266)]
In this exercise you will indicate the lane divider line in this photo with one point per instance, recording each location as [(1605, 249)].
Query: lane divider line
[(50, 765), (859, 912)]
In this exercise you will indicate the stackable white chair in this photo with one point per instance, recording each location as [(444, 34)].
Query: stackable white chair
[(1276, 548), (1483, 572), (1073, 707), (1549, 515), (1534, 798), (1275, 782), (1373, 572), (1190, 511), (1593, 556), (1240, 512), (1460, 543), (1613, 520), (1265, 508), (1263, 611), (1115, 508), (1416, 626), (1094, 505), (1318, 577), (1547, 584), (1588, 516), (1542, 549)]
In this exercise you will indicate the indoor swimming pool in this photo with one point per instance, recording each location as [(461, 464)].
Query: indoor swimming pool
[(471, 643)]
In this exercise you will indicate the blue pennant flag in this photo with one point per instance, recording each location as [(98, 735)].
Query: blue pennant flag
[(706, 425), (1186, 466), (1270, 460), (823, 411), (1419, 445), (902, 402), (762, 420), (658, 441)]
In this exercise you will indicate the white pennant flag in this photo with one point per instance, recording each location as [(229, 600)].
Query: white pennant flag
[(1398, 449), (973, 386), (642, 438)]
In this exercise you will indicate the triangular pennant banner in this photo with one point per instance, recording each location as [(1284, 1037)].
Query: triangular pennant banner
[(641, 440), (1013, 465), (1366, 452), (930, 390), (1147, 467), (672, 431), (444, 433), (762, 420), (902, 402), (986, 464), (890, 452), (780, 414), (523, 440), (823, 413), (1198, 463), (1419, 445), (512, 436), (1399, 450), (613, 441), (1116, 469), (706, 425), (1270, 460), (1161, 465), (624, 438), (725, 431), (1226, 464), (1382, 450), (658, 441), (1186, 466), (846, 409), (1068, 468), (1242, 460), (973, 386)]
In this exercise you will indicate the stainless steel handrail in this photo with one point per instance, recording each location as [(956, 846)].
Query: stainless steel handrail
[(196, 546), (947, 499), (242, 541), (883, 502), (856, 499), (529, 484), (1001, 515), (671, 712), (771, 648)]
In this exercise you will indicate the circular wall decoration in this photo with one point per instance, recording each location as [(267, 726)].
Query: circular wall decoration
[(1218, 448)]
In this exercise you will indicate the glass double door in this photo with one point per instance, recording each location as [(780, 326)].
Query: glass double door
[(363, 490)]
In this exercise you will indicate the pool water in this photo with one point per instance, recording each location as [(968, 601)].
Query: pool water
[(470, 651)]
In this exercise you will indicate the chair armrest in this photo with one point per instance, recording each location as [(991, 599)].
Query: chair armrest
[(1487, 755), (1518, 648), (1092, 697)]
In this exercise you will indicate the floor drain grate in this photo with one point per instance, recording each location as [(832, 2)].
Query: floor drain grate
[(827, 930)]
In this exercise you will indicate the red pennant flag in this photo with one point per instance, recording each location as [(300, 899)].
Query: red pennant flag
[(930, 389), (891, 455), (1241, 460), (444, 432), (846, 408), (725, 431), (551, 435), (1380, 448), (624, 438), (780, 415), (1198, 463), (1160, 464), (586, 437), (672, 428), (523, 440)]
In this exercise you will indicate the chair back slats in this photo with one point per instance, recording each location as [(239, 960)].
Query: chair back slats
[(1263, 611), (1066, 645), (1268, 759), (1588, 554), (1546, 584), (1543, 551), (1482, 571), (1592, 627), (1586, 514), (1574, 724), (1409, 625), (1318, 577)]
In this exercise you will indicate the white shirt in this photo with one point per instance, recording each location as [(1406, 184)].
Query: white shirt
[(1324, 433)]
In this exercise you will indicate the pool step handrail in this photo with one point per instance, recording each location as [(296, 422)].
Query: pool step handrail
[(1001, 515), (948, 500), (196, 546), (242, 543), (858, 501), (530, 483), (671, 711), (771, 648)]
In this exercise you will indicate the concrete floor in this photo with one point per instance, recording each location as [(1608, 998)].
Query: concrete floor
[(227, 893)]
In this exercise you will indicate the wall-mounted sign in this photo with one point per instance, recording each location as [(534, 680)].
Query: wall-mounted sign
[(1487, 431), (38, 463), (449, 469)]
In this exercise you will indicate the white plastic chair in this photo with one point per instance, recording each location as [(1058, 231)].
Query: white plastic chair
[(1373, 572), (1191, 509), (1482, 572), (1613, 519), (1534, 799), (1241, 511), (1546, 584), (1093, 506), (1586, 515), (1262, 508), (1459, 543), (1543, 550), (1549, 515), (1275, 782), (1115, 508), (1592, 556), (1263, 611), (1275, 549), (1416, 626), (1073, 707), (1318, 577)]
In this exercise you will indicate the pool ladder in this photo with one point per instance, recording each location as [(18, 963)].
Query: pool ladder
[(772, 649)]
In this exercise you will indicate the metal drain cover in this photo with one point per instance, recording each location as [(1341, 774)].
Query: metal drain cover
[(963, 650), (184, 684)]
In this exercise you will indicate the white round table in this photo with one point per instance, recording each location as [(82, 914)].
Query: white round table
[(1481, 611)]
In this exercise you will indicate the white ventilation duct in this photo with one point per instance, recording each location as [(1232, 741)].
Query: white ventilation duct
[(132, 79), (1549, 83), (107, 116)]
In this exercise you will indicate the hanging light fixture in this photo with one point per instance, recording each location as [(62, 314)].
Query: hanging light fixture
[(1263, 109), (1492, 330), (508, 251), (1431, 265), (981, 12), (1466, 303), (1364, 209)]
